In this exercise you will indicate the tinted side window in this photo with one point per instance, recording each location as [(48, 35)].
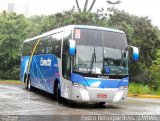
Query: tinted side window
[(54, 44), (32, 45), (47, 42), (41, 47), (28, 47), (47, 45)]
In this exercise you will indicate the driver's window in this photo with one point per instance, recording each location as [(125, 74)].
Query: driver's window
[(66, 69)]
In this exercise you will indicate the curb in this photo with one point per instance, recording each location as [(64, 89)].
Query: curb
[(10, 82), (143, 96)]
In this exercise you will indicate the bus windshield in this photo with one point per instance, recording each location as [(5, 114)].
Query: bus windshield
[(100, 52)]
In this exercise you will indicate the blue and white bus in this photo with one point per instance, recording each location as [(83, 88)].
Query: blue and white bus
[(78, 63)]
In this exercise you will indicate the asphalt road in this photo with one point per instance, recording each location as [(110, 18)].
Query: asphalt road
[(16, 100)]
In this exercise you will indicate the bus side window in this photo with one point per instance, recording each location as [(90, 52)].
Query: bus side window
[(56, 43), (44, 45), (32, 45), (48, 44), (39, 48), (57, 50)]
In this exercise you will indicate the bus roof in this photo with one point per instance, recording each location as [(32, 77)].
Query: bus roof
[(72, 27), (96, 28)]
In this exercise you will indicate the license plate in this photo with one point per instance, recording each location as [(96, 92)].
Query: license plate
[(101, 95)]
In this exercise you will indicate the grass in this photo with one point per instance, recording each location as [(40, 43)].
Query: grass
[(10, 82), (158, 92), (142, 89)]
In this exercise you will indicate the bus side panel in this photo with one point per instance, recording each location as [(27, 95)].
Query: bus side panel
[(24, 66), (44, 71)]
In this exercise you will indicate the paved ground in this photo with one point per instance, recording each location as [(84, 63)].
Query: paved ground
[(15, 100)]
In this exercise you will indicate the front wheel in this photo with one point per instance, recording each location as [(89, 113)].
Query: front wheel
[(57, 93), (101, 104)]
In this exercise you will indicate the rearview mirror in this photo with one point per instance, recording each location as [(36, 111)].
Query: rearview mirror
[(135, 55), (72, 47)]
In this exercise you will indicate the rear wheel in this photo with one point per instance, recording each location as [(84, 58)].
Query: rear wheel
[(29, 84), (26, 82)]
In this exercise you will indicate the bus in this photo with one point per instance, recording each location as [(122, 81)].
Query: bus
[(80, 63)]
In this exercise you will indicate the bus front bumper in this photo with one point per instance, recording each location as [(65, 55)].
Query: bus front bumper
[(93, 94)]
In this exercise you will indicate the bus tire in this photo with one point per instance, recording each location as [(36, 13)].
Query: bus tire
[(71, 103), (29, 87), (26, 82), (57, 93), (101, 103)]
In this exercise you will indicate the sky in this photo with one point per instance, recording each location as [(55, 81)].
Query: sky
[(150, 8)]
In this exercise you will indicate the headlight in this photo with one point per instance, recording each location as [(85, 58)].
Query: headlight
[(123, 87), (78, 85)]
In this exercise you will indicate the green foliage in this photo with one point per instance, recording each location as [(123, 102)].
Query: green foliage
[(135, 88), (41, 24), (155, 69), (141, 33), (13, 32), (158, 91)]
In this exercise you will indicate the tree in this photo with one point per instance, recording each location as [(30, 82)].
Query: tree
[(155, 69), (13, 32), (41, 24), (85, 6), (141, 33)]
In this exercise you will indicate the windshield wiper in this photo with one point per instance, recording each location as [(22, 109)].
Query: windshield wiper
[(93, 59), (124, 57)]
